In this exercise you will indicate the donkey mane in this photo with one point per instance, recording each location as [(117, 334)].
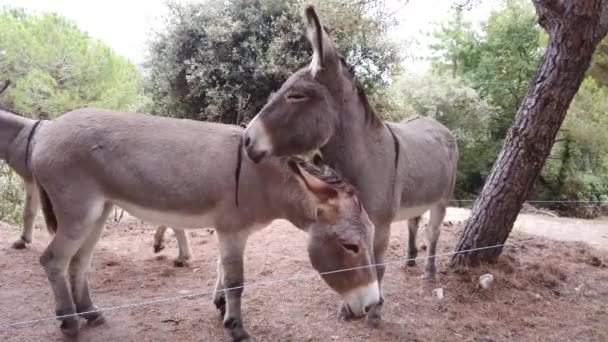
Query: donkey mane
[(326, 174), (371, 116)]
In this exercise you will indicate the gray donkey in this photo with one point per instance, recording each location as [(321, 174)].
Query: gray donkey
[(32, 205), (401, 170), (32, 202), (180, 173)]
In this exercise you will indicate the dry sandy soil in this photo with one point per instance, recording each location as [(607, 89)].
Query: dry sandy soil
[(545, 290)]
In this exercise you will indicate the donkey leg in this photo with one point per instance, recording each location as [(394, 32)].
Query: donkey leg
[(159, 239), (219, 296), (79, 268), (432, 235), (232, 247), (55, 260), (184, 249), (32, 204), (381, 239), (412, 250)]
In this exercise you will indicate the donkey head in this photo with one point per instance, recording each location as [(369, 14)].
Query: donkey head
[(302, 115), (340, 243)]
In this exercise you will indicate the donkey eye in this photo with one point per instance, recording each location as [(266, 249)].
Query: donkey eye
[(296, 97), (351, 248)]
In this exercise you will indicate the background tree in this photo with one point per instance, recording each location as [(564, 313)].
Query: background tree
[(575, 27), (56, 67), (219, 60)]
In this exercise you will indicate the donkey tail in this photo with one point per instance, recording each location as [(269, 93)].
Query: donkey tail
[(47, 211)]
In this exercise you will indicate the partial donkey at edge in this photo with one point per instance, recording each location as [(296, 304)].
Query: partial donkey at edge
[(32, 205)]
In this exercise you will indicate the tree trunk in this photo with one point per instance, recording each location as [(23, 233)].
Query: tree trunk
[(575, 28)]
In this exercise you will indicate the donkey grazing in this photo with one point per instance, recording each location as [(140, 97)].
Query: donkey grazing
[(32, 205), (179, 173), (401, 170)]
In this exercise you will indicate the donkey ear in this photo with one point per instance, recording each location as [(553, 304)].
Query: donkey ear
[(4, 85), (324, 53), (321, 190)]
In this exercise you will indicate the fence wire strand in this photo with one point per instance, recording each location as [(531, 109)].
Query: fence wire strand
[(5, 326)]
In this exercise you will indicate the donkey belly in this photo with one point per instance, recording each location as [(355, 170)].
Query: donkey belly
[(170, 218), (406, 213)]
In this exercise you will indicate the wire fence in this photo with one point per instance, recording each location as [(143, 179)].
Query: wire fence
[(271, 282), (544, 201)]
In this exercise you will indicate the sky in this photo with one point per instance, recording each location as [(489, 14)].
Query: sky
[(126, 25)]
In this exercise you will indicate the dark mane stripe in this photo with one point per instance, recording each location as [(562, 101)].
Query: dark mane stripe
[(371, 117), (326, 174)]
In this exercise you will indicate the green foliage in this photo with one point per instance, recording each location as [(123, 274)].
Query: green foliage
[(599, 66), (578, 166), (11, 195), (57, 67), (499, 63), (456, 47), (219, 60), (458, 106)]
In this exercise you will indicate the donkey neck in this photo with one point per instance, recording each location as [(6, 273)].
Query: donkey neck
[(277, 193), (363, 151), (357, 135)]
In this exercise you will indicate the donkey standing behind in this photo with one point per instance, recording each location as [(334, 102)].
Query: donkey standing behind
[(32, 205), (180, 173), (401, 170)]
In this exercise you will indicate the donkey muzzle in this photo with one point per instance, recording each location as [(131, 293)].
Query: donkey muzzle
[(256, 141), (362, 299)]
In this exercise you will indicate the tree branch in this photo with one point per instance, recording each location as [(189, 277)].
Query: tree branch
[(549, 13)]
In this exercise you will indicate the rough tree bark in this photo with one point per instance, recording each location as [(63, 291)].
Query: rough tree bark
[(575, 27)]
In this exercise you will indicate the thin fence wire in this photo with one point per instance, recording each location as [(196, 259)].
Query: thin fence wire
[(543, 201), (5, 326)]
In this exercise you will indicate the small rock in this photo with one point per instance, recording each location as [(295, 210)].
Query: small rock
[(595, 261), (486, 280), (438, 293), (537, 296)]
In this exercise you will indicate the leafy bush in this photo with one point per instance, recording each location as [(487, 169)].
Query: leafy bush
[(458, 106), (11, 195), (220, 60)]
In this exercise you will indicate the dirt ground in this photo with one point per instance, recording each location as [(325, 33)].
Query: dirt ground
[(545, 290)]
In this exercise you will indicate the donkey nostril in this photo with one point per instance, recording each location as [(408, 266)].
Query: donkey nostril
[(247, 141), (368, 308)]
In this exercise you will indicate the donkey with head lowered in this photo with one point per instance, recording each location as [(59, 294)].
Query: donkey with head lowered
[(401, 170), (180, 173)]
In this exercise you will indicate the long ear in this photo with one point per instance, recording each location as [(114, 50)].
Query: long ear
[(324, 53), (4, 85), (322, 191)]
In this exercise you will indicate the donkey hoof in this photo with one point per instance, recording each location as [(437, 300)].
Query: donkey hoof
[(220, 304), (69, 327), (411, 262), (180, 263), (236, 330), (96, 321), (20, 244), (158, 248)]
